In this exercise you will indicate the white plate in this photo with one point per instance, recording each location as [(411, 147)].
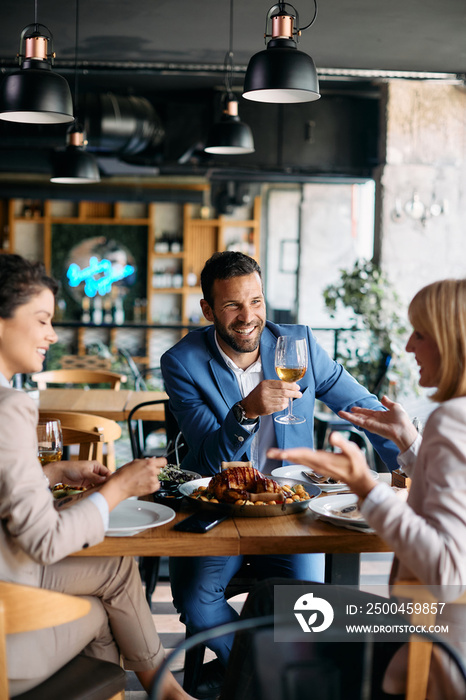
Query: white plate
[(329, 508), (189, 486), (294, 471), (132, 516)]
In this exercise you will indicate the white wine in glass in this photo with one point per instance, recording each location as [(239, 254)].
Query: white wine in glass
[(50, 442), (290, 366)]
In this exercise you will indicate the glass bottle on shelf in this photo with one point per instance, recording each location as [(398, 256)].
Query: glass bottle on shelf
[(60, 309), (119, 312), (191, 278), (143, 310), (108, 316), (175, 246), (162, 245), (86, 310), (137, 311), (177, 280), (97, 314)]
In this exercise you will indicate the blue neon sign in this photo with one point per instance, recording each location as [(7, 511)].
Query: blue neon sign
[(109, 272)]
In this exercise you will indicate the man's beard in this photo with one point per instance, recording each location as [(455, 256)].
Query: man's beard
[(230, 338)]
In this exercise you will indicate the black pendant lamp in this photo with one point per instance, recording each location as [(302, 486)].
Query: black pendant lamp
[(35, 94), (281, 73), (74, 165), (230, 136)]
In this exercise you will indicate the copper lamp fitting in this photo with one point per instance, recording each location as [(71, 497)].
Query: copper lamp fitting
[(76, 138), (232, 108), (282, 27), (36, 48)]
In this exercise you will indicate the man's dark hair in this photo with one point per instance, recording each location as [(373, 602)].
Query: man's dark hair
[(20, 280), (224, 266)]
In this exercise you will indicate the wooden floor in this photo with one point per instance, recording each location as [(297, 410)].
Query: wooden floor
[(375, 569)]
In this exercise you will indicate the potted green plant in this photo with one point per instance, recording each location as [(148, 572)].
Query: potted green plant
[(373, 350)]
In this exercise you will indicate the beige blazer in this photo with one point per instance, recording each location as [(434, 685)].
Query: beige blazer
[(428, 535), (33, 533)]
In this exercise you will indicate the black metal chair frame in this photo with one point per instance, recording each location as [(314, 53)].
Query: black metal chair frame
[(175, 440), (135, 436), (200, 639), (267, 622), (149, 566), (325, 425), (324, 428)]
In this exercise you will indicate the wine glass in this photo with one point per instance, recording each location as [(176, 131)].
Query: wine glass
[(50, 442), (290, 365)]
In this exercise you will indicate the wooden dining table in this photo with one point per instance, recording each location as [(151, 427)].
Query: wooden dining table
[(107, 403), (288, 534), (295, 533)]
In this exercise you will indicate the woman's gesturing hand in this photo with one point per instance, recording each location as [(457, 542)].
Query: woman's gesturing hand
[(393, 424), (349, 465)]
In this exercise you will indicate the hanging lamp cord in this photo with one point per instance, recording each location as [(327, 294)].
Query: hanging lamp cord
[(302, 29), (228, 63), (76, 126), (76, 39)]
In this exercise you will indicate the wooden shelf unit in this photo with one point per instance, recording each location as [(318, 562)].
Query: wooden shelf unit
[(199, 239)]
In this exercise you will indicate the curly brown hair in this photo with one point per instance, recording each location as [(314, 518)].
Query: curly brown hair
[(20, 280)]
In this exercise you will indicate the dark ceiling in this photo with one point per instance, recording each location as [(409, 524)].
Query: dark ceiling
[(172, 51), (400, 35)]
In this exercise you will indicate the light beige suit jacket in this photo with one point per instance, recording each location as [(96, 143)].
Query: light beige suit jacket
[(33, 533), (428, 535)]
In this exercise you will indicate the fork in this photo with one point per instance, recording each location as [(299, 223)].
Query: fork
[(318, 478)]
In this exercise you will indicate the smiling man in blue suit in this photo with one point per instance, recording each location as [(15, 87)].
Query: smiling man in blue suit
[(224, 392)]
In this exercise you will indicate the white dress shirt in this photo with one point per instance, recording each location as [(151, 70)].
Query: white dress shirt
[(247, 380)]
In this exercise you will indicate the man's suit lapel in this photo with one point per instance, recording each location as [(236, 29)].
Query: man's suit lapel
[(224, 378), (268, 343)]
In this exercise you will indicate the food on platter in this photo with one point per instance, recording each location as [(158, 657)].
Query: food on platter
[(235, 483), (244, 485)]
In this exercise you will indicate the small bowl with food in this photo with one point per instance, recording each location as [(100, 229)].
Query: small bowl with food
[(171, 477)]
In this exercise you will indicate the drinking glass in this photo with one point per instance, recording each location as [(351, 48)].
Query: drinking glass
[(50, 442), (290, 365)]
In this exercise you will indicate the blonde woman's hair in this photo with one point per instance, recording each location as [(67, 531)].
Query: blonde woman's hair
[(439, 310)]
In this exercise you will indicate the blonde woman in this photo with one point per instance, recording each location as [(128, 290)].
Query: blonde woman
[(428, 533)]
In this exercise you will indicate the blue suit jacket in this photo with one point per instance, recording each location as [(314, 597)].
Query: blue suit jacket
[(202, 391)]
